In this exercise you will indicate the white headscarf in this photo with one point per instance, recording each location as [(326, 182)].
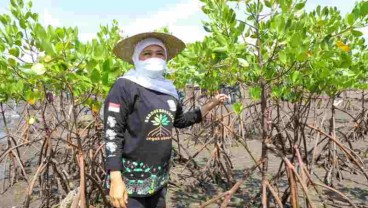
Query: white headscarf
[(159, 84), (141, 45)]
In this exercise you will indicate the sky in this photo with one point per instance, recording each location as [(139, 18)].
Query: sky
[(183, 17)]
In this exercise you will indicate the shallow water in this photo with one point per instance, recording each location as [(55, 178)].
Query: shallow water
[(12, 117), (2, 168), (2, 134)]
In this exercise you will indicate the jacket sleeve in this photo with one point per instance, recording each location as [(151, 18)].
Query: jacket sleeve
[(183, 120), (116, 111)]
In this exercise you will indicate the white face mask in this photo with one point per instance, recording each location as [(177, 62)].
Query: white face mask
[(153, 67)]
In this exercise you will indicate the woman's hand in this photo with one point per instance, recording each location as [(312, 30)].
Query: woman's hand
[(220, 98), (118, 193)]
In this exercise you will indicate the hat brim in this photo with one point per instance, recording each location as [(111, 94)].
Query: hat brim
[(124, 49)]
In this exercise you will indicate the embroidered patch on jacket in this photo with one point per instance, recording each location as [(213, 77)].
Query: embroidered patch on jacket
[(110, 147), (111, 121), (160, 119), (110, 134), (172, 105), (114, 107), (141, 179)]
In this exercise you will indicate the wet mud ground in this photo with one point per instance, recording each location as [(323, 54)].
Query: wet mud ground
[(355, 186), (191, 194), (184, 193)]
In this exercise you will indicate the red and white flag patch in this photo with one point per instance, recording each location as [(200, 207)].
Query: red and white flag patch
[(114, 107)]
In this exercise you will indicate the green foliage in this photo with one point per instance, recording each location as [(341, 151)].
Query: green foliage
[(238, 108), (278, 42), (37, 59)]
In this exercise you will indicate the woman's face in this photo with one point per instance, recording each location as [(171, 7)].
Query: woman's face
[(152, 51)]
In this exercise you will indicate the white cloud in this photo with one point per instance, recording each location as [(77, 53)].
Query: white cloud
[(84, 37), (2, 10), (342, 5), (48, 19), (364, 30), (188, 33), (169, 17)]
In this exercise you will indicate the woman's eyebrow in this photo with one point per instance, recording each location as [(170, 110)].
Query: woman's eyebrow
[(153, 50), (158, 50)]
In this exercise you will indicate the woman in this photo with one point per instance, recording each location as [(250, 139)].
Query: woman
[(140, 111)]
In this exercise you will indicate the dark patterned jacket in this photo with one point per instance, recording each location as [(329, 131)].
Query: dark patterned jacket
[(138, 127)]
